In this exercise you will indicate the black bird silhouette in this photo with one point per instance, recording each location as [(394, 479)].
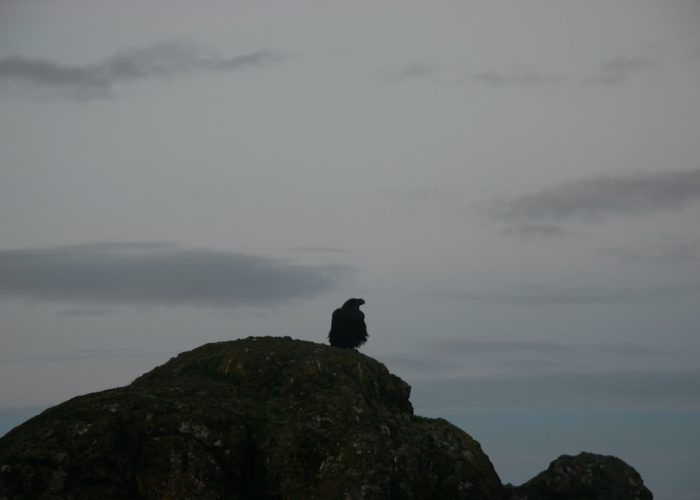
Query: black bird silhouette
[(348, 328)]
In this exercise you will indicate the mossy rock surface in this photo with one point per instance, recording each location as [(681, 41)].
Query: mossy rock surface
[(263, 417)]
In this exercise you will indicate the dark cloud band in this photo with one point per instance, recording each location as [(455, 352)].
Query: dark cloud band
[(521, 76), (155, 61), (601, 196), (152, 273), (616, 71)]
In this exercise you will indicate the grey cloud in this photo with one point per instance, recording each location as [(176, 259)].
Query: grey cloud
[(676, 252), (480, 347), (611, 389), (529, 230), (415, 70), (85, 311), (443, 364), (448, 357), (434, 193), (152, 273), (520, 76), (253, 59), (321, 250), (543, 296), (95, 80), (400, 364), (74, 354), (597, 197), (616, 71), (425, 197)]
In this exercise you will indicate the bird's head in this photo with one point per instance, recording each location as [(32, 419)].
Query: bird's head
[(353, 303)]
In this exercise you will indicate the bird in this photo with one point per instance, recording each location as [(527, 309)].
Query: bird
[(348, 328)]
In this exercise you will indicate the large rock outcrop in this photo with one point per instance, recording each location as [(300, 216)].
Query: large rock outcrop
[(254, 418), (266, 417)]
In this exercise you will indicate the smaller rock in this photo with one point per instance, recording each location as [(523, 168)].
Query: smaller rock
[(585, 475)]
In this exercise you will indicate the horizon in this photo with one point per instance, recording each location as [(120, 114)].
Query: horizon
[(514, 189)]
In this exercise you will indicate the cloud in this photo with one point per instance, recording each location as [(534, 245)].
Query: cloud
[(85, 311), (449, 356), (534, 230), (602, 196), (479, 347), (676, 252), (321, 250), (608, 389), (422, 365), (520, 76), (75, 354), (156, 273), (415, 70), (98, 79), (579, 296), (616, 71)]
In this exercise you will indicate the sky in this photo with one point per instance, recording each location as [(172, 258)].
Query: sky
[(512, 187)]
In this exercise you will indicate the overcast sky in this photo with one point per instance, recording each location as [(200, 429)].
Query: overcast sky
[(513, 188)]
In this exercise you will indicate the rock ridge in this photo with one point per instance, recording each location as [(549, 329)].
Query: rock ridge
[(269, 418)]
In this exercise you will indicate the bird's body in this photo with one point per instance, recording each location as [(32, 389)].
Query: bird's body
[(348, 328)]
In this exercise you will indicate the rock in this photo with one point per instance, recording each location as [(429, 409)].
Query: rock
[(272, 418), (586, 476), (254, 418)]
